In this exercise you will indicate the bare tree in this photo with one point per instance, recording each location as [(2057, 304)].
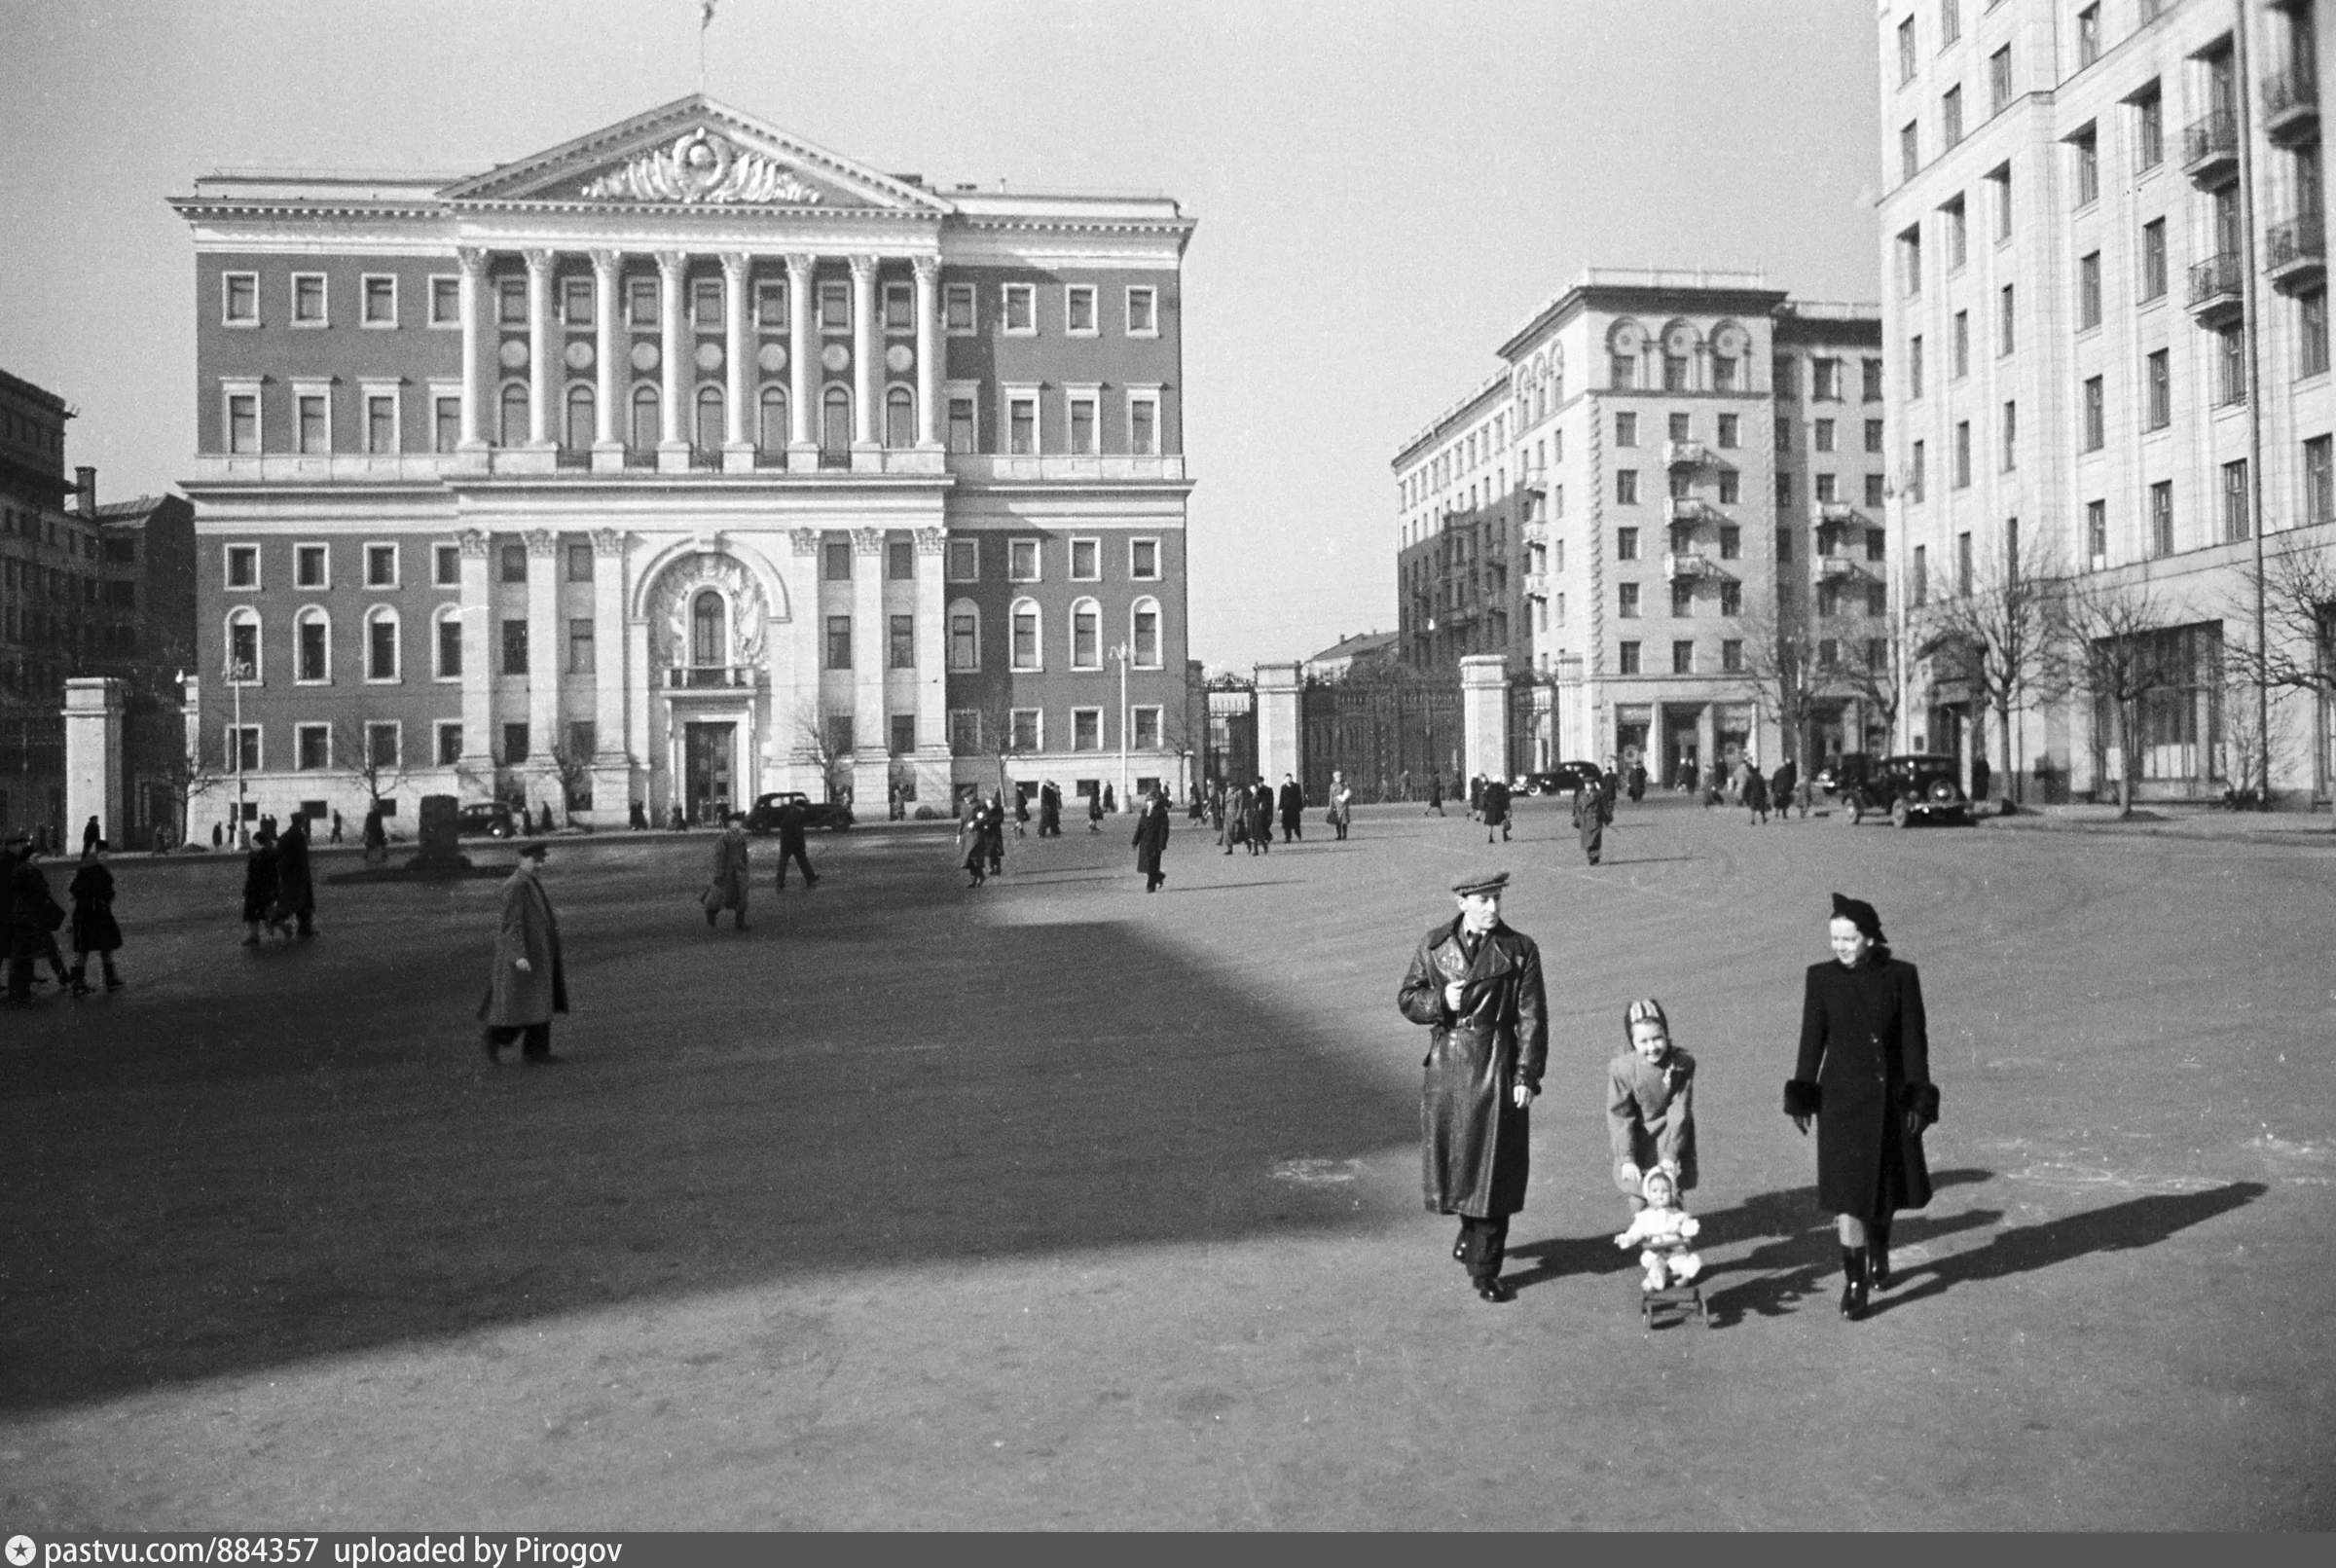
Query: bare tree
[(574, 771), (823, 732), (2010, 632), (1873, 676), (2115, 658), (188, 779), (2297, 586), (375, 758), (1783, 672)]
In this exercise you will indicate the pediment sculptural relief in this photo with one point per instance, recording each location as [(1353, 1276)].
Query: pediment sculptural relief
[(701, 166)]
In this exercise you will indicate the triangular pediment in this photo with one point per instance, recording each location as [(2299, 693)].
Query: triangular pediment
[(695, 153)]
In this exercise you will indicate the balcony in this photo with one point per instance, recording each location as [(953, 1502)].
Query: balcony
[(1834, 514), (1836, 569), (2291, 107), (1534, 535), (1691, 510), (2296, 252), (2211, 148), (1537, 585), (1686, 455), (711, 677), (1685, 566), (2217, 289)]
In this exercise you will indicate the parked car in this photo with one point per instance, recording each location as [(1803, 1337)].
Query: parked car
[(764, 818), (1563, 778), (488, 818), (1908, 785)]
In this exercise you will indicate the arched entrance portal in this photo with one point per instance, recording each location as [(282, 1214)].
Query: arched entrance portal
[(708, 613)]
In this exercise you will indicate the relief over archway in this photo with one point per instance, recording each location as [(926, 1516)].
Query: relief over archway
[(673, 613)]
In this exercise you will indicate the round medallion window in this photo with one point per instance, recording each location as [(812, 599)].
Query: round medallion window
[(578, 355), (710, 357), (772, 356), (644, 356), (899, 358), (513, 353), (835, 356)]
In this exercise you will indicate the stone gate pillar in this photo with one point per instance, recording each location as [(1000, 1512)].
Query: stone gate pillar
[(1279, 724), (94, 709), (1485, 715)]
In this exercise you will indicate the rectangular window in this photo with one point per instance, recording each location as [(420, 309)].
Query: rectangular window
[(1087, 560), (2096, 538), (839, 643), (1732, 656), (450, 742), (1625, 544), (706, 302), (2237, 513), (2311, 332), (1951, 116), (1625, 487), (1828, 486), (313, 746), (381, 648), (1784, 490), (239, 299), (900, 642), (2150, 130), (1960, 475), (1019, 303), (961, 424), (2159, 378), (1627, 601), (1143, 559), (1958, 237), (515, 647), (2007, 317), (1683, 658), (381, 566), (2085, 145), (834, 298), (1873, 488), (1022, 561), (1683, 600), (1825, 380), (1999, 80), (381, 423), (1962, 566), (445, 301), (2096, 415), (1916, 471), (1821, 434), (449, 648), (964, 640), (1675, 373), (244, 421), (313, 655), (579, 563), (1732, 543), (965, 561), (1086, 729), (243, 565), (1729, 428), (2319, 480), (1143, 313), (582, 652), (904, 736), (770, 305), (1910, 151), (314, 409), (2088, 36), (1083, 418), (901, 561), (1958, 346), (1951, 22), (380, 294), (446, 566), (2010, 436), (1145, 626), (1144, 424), (1784, 377), (308, 300), (900, 308), (518, 745), (445, 418), (2153, 259), (957, 309), (1913, 366), (643, 304), (511, 301), (309, 563), (1078, 309), (1874, 435), (1146, 736), (1629, 653), (835, 561), (1907, 65), (2161, 517), (2230, 360), (1621, 372), (514, 562), (1732, 599), (1999, 180), (1022, 424), (1024, 729), (2088, 290), (1625, 429)]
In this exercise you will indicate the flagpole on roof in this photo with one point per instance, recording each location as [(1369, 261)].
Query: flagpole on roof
[(705, 22)]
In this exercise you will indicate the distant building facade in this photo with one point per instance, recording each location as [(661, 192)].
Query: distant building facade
[(1343, 657), (1670, 467), (49, 575), (682, 462)]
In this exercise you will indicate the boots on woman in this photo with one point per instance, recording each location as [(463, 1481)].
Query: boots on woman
[(1878, 1253), (1853, 1285)]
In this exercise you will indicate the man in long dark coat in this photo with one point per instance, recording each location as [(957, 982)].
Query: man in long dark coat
[(1477, 984), (1260, 818), (1494, 804), (295, 887), (527, 981), (1152, 841), (792, 847), (1593, 810), (1293, 803)]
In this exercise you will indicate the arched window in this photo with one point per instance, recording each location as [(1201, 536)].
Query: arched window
[(515, 414), (1029, 651), (244, 646), (1144, 634), (1087, 634), (446, 642), (965, 634), (773, 434), (647, 426), (313, 646), (836, 423), (382, 660), (582, 427), (899, 418), (709, 642), (710, 420)]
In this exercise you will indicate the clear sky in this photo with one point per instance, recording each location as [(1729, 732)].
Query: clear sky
[(1384, 191)]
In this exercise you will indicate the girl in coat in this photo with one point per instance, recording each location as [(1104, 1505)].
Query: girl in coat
[(1864, 1076), (1651, 1104), (93, 928)]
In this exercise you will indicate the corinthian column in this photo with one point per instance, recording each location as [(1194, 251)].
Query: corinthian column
[(607, 446), (738, 448), (473, 263), (867, 365), (928, 351), (541, 387), (547, 649), (673, 447), (802, 361)]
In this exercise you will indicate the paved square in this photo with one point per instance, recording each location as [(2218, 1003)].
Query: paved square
[(1054, 1204)]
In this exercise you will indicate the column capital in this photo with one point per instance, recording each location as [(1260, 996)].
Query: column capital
[(800, 266), (472, 542), (929, 269), (539, 261), (864, 268), (929, 541), (806, 541), (734, 265), (606, 543), (472, 259), (672, 262), (606, 261), (868, 541), (541, 543)]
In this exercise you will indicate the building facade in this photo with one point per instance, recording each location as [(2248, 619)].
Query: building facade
[(1673, 470), (682, 462), (49, 573), (2105, 271)]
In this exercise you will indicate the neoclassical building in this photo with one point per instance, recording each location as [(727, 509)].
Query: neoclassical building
[(680, 462)]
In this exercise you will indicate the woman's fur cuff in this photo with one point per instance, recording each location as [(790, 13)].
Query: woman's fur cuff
[(1802, 1098), (1923, 1099)]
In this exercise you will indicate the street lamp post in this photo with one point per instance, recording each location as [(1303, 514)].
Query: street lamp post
[(1120, 653), (238, 673)]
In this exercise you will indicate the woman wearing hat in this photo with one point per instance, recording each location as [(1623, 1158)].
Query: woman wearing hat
[(1864, 1076)]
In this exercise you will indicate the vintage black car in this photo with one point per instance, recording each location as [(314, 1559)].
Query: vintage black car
[(489, 818), (764, 818), (1908, 786), (1561, 779)]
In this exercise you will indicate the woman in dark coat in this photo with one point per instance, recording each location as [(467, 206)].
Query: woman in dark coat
[(259, 889), (95, 929), (1260, 818), (1864, 1074), (295, 887), (1152, 841)]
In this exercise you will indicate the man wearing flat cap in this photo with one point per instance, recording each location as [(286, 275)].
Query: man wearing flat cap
[(528, 982), (1475, 983)]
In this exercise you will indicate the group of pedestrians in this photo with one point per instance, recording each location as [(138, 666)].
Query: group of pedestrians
[(1861, 1076), (732, 881), (34, 918), (280, 889)]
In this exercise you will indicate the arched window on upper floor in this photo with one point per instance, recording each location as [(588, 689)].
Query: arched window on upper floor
[(1027, 649), (515, 414), (243, 646), (1087, 634), (773, 432), (311, 645), (711, 431), (899, 418), (965, 634), (648, 423), (583, 407), (446, 642), (384, 658), (1143, 632)]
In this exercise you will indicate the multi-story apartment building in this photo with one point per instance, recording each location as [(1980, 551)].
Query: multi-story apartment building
[(1673, 470), (2105, 277), (49, 595), (684, 461)]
